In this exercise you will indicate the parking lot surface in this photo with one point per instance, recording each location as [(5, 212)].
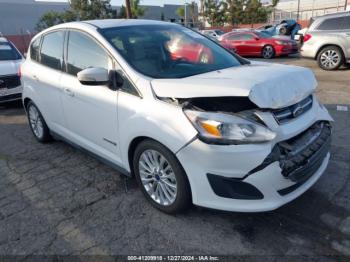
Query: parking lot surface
[(57, 200)]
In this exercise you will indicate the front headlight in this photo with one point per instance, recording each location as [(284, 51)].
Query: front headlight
[(282, 42), (223, 128)]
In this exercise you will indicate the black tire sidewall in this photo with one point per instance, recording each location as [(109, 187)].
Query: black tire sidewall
[(46, 132), (336, 49), (183, 196), (273, 52)]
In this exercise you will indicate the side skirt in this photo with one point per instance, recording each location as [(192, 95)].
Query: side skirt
[(99, 158)]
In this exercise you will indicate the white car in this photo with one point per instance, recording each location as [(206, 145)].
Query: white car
[(222, 133), (10, 79)]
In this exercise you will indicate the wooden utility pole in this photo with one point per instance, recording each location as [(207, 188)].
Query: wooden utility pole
[(128, 9)]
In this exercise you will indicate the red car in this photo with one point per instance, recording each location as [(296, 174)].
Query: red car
[(188, 50), (258, 44)]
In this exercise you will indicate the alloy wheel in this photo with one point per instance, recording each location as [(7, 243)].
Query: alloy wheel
[(268, 52), (157, 177), (330, 59), (35, 122)]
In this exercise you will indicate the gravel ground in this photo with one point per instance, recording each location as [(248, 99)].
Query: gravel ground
[(57, 200)]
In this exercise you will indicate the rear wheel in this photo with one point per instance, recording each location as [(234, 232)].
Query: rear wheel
[(37, 124), (161, 177), (268, 52), (330, 58)]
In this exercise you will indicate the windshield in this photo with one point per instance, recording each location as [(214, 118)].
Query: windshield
[(168, 51), (8, 52), (263, 35)]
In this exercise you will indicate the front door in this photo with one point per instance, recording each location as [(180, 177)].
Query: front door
[(91, 111)]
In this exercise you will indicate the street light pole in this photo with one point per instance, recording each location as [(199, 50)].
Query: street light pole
[(185, 15), (298, 10)]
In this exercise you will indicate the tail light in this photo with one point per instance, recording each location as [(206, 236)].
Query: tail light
[(19, 73), (307, 37)]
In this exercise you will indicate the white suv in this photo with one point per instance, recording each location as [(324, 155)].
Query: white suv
[(219, 132), (10, 82)]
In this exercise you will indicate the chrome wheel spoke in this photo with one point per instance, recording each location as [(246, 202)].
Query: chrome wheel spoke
[(157, 177)]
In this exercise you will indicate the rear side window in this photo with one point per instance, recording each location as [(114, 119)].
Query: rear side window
[(51, 53), (346, 22), (34, 50), (332, 24), (84, 52)]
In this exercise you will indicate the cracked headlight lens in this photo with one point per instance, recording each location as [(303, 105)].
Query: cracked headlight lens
[(223, 128)]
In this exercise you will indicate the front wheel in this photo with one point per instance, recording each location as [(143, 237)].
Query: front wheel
[(268, 52), (161, 177), (330, 58)]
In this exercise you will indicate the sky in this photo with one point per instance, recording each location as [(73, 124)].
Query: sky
[(143, 2)]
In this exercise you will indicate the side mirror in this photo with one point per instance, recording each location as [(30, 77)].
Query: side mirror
[(93, 76)]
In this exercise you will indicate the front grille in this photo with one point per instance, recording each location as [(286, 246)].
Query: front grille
[(303, 155), (286, 114), (10, 81)]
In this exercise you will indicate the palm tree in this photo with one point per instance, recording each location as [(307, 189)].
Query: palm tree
[(128, 9)]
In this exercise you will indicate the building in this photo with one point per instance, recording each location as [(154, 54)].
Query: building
[(18, 18), (288, 9)]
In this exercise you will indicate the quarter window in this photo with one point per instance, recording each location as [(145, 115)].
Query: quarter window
[(34, 50), (331, 24), (52, 50), (84, 52)]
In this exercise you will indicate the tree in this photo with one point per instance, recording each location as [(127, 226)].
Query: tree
[(135, 11), (214, 11), (254, 12), (78, 10), (49, 19), (181, 12), (128, 8)]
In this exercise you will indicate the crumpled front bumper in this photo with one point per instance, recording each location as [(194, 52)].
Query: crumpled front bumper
[(221, 178)]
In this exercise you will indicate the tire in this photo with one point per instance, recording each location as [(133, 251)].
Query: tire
[(37, 124), (155, 182), (330, 58), (283, 31), (268, 52)]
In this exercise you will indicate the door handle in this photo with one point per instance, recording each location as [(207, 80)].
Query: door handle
[(69, 92)]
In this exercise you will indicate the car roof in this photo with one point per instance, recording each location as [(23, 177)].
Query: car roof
[(107, 23), (3, 40), (339, 14)]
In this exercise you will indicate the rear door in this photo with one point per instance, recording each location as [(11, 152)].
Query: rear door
[(44, 77)]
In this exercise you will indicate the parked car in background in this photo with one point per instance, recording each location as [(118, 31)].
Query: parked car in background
[(254, 43), (214, 34), (288, 27), (226, 134), (10, 61), (327, 40)]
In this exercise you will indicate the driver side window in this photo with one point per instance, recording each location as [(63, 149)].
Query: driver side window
[(83, 52)]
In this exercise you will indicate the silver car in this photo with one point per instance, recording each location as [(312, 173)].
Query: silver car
[(328, 40)]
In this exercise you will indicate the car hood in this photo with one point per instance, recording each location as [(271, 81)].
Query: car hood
[(267, 85), (9, 67)]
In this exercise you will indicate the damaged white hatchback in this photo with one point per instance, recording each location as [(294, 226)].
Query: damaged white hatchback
[(191, 121)]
